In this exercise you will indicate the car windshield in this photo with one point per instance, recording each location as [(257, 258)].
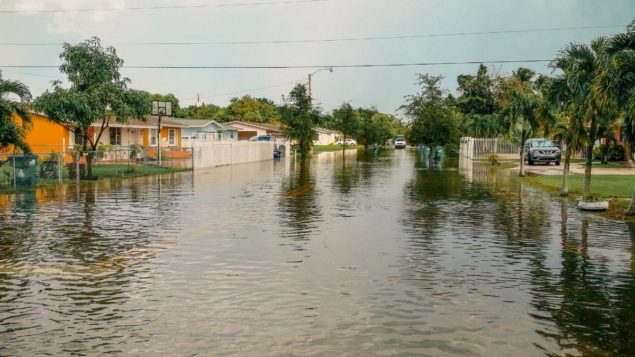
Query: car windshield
[(542, 143), (399, 138)]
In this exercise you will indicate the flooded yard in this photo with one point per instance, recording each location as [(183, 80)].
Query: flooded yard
[(343, 256)]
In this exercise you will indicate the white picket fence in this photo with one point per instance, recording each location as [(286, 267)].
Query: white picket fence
[(208, 154), (473, 148)]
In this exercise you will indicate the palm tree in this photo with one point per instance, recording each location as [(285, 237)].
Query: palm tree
[(12, 132), (523, 108), (615, 87), (580, 65)]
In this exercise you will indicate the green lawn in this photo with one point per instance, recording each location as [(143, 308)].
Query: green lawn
[(329, 148), (602, 185), (123, 171)]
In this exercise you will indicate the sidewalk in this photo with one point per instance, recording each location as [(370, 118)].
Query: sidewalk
[(576, 168)]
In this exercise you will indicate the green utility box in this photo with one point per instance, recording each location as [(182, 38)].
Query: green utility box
[(25, 166)]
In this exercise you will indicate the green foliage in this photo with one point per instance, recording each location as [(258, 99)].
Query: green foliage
[(247, 108), (204, 111), (346, 120), (375, 129), (97, 92), (176, 109), (135, 150), (300, 118), (52, 156), (476, 93), (493, 160), (11, 132), (434, 121), (102, 150)]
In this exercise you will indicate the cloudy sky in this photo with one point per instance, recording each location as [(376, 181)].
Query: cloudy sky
[(217, 22)]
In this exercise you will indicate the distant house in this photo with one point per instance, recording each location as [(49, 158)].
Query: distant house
[(205, 129), (136, 131), (247, 130), (326, 136)]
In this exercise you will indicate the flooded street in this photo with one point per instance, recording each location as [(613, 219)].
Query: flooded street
[(349, 256)]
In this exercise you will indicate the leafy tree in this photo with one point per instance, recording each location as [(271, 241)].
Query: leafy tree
[(524, 109), (300, 118), (615, 87), (11, 132), (476, 93), (580, 65), (97, 94), (176, 109), (346, 120), (204, 111), (247, 108), (434, 122)]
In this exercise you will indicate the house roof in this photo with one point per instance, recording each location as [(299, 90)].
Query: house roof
[(150, 123), (262, 126)]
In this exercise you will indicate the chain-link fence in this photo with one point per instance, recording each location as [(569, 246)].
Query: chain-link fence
[(41, 168)]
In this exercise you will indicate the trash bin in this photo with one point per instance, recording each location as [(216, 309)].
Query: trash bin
[(25, 168)]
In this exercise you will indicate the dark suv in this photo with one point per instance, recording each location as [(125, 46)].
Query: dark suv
[(542, 150)]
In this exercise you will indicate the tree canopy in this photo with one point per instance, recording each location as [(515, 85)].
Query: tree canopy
[(300, 117), (97, 93), (13, 132)]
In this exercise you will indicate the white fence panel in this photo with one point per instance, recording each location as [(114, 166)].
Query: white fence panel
[(219, 153)]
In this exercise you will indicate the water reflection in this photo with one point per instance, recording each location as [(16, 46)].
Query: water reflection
[(298, 211), (367, 254)]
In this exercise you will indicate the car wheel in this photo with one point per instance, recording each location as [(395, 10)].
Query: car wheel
[(557, 163)]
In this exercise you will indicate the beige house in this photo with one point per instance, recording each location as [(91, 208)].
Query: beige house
[(327, 136)]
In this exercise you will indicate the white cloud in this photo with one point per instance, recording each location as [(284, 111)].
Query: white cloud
[(78, 22)]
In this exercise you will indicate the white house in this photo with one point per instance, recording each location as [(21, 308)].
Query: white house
[(205, 130), (247, 130), (326, 136)]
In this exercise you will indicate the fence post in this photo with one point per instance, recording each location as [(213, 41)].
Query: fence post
[(15, 183), (60, 169), (77, 166), (192, 157)]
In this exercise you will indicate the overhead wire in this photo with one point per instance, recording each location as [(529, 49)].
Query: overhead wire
[(328, 40), (164, 7), (368, 65)]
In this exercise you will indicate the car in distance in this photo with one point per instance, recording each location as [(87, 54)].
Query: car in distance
[(400, 142), (347, 142), (542, 150), (262, 138)]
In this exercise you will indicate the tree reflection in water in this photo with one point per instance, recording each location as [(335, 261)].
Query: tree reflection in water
[(298, 210)]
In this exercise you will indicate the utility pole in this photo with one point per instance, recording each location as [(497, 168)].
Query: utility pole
[(330, 69)]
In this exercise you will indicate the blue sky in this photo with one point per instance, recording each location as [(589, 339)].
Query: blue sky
[(382, 87)]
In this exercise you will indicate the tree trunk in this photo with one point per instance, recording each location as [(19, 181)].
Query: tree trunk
[(631, 208), (89, 164), (343, 144), (588, 165), (604, 153), (565, 172), (521, 173), (628, 157)]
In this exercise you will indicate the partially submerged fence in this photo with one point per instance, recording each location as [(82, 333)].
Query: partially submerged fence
[(220, 153), (54, 167), (481, 148)]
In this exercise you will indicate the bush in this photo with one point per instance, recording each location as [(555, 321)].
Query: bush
[(615, 152)]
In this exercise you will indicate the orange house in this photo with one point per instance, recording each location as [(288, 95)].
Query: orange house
[(45, 136)]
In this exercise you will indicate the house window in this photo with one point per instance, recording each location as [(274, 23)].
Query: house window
[(172, 137), (115, 136), (153, 137)]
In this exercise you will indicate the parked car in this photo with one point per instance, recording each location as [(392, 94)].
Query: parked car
[(347, 142), (262, 138), (400, 142), (542, 150)]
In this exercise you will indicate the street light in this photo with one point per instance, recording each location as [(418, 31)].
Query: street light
[(160, 108), (330, 69)]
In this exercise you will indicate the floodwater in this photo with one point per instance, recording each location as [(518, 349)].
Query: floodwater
[(351, 256)]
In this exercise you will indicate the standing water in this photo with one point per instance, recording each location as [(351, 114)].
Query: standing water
[(345, 255)]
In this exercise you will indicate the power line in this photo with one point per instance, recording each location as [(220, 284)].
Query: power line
[(370, 65), (199, 6), (341, 39)]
